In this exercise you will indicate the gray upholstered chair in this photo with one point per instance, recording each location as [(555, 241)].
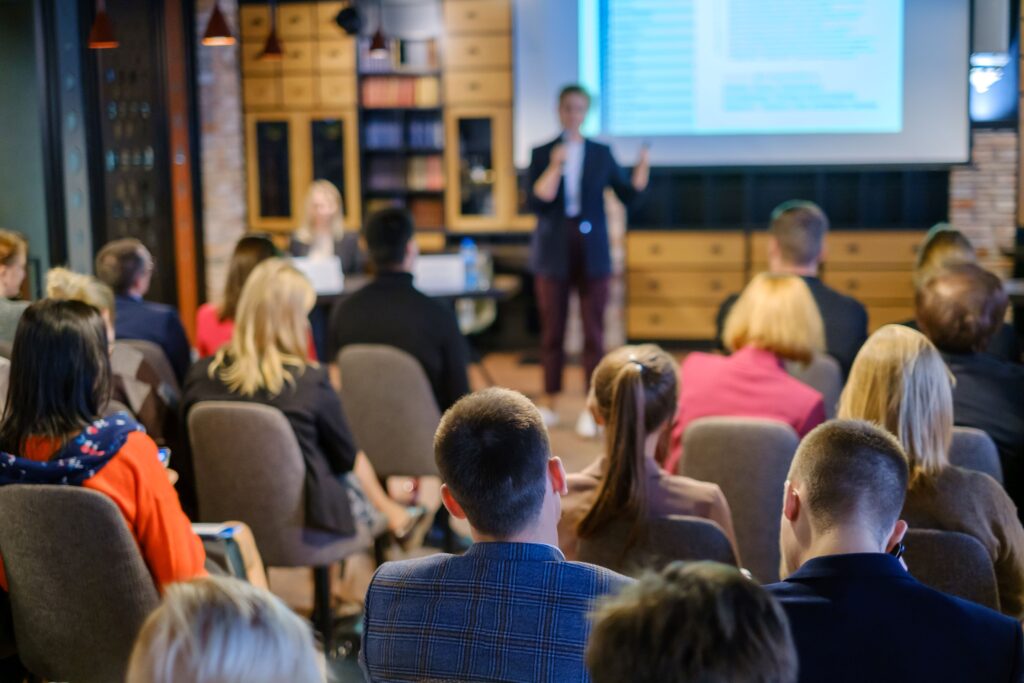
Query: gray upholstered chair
[(822, 374), (749, 459), (248, 466), (79, 587), (170, 389), (5, 381), (675, 537), (391, 409), (953, 563), (974, 449)]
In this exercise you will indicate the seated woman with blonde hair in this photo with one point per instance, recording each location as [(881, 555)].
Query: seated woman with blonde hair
[(633, 394), (219, 630), (900, 381), (266, 362), (322, 234), (774, 320)]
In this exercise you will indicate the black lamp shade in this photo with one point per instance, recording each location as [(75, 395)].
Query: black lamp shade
[(217, 31), (101, 36)]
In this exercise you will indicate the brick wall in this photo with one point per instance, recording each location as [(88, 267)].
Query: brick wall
[(219, 91), (983, 196)]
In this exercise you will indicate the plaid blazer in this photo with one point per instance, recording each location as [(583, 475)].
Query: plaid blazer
[(501, 612)]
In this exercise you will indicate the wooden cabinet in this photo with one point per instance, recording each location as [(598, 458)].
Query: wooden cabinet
[(676, 281), (477, 16), (478, 197)]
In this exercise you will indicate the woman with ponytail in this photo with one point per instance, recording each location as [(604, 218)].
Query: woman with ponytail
[(633, 394)]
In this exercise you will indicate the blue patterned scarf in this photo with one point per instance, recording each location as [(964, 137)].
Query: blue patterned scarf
[(80, 459)]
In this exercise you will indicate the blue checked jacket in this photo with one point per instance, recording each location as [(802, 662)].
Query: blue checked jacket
[(501, 612)]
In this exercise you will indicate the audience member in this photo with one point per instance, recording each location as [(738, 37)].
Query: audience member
[(855, 612), (900, 382), (13, 259), (946, 246), (774, 320), (60, 378), (959, 309), (511, 608), (391, 311), (135, 385), (216, 321), (692, 622), (265, 362), (322, 234), (633, 394), (219, 630), (126, 266), (796, 246)]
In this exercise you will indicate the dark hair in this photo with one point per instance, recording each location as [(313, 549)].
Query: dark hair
[(851, 471), (387, 233), (697, 621), (635, 390), (573, 89), (799, 228), (249, 252), (492, 451), (60, 373), (944, 245), (121, 262), (961, 307)]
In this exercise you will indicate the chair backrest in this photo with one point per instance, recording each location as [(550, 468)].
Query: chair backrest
[(5, 382), (157, 359), (79, 587), (667, 539), (391, 409), (749, 459), (248, 466), (822, 374), (974, 449), (953, 563)]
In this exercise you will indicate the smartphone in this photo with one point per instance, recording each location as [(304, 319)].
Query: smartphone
[(164, 455)]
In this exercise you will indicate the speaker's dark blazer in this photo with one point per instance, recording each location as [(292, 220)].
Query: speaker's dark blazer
[(549, 246), (862, 617)]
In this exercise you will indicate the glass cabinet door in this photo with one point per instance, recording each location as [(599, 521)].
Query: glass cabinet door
[(477, 191), (273, 169), (333, 156), (477, 152)]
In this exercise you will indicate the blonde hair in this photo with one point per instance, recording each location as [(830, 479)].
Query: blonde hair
[(68, 285), (271, 330), (219, 630), (900, 382), (12, 245), (943, 246), (776, 313), (305, 231)]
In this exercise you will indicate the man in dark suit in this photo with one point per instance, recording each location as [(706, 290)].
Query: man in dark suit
[(855, 611), (796, 246), (391, 311), (511, 608), (126, 266), (569, 249), (960, 308)]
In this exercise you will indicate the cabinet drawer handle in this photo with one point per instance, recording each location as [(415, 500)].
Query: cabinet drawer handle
[(655, 319), (474, 85), (716, 249), (655, 249), (293, 19), (852, 285), (473, 50), (653, 285), (852, 248), (716, 285), (471, 14)]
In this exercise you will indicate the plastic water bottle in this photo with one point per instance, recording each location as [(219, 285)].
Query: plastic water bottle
[(471, 261)]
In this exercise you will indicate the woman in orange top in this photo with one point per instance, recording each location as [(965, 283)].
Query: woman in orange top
[(51, 434)]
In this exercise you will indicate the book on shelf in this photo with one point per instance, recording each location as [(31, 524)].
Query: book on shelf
[(384, 92)]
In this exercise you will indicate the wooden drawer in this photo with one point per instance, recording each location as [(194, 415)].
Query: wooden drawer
[(678, 321), (477, 16), (252, 65), (693, 251), (337, 91), (325, 27), (297, 92), (868, 285), (255, 22), (298, 57), (478, 87), (295, 21), (262, 92), (477, 52), (656, 286), (430, 241), (872, 249), (338, 56), (883, 315)]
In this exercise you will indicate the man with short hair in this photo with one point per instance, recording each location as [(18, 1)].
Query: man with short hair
[(695, 621), (960, 308), (796, 246), (856, 613), (126, 266), (391, 311), (512, 608)]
